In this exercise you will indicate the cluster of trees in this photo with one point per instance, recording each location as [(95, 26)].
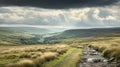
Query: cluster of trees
[(33, 40)]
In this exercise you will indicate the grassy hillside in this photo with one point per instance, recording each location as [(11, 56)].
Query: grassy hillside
[(25, 35), (21, 35), (108, 45), (12, 37), (80, 33), (27, 30)]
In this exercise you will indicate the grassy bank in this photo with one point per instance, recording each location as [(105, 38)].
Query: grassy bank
[(109, 48)]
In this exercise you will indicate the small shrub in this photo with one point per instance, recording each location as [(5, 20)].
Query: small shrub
[(34, 56), (11, 56), (27, 63), (49, 55), (41, 49), (61, 51), (25, 55)]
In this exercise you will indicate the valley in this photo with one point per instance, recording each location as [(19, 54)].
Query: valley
[(18, 49)]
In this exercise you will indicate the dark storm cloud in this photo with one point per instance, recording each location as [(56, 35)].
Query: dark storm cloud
[(58, 4)]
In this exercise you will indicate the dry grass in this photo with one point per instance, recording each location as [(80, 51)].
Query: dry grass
[(23, 63), (45, 58), (36, 54), (109, 48)]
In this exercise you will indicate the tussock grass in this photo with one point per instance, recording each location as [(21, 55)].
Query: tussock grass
[(49, 56), (36, 54), (23, 63), (109, 48), (31, 55), (46, 58)]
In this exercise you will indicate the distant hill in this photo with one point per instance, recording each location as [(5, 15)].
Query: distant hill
[(11, 37), (16, 35), (29, 30), (89, 32), (20, 35), (80, 33)]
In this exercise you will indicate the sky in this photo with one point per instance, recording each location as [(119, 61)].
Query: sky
[(60, 14)]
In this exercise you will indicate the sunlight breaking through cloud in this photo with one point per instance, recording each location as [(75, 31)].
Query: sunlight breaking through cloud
[(83, 17)]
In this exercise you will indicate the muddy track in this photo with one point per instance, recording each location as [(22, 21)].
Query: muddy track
[(92, 58)]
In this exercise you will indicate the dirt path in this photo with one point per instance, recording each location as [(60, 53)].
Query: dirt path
[(71, 60), (92, 58)]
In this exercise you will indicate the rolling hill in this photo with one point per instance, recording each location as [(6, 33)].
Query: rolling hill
[(20, 35), (80, 33), (28, 30), (25, 35), (89, 32)]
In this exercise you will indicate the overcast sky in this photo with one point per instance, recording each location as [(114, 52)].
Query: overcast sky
[(60, 14)]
